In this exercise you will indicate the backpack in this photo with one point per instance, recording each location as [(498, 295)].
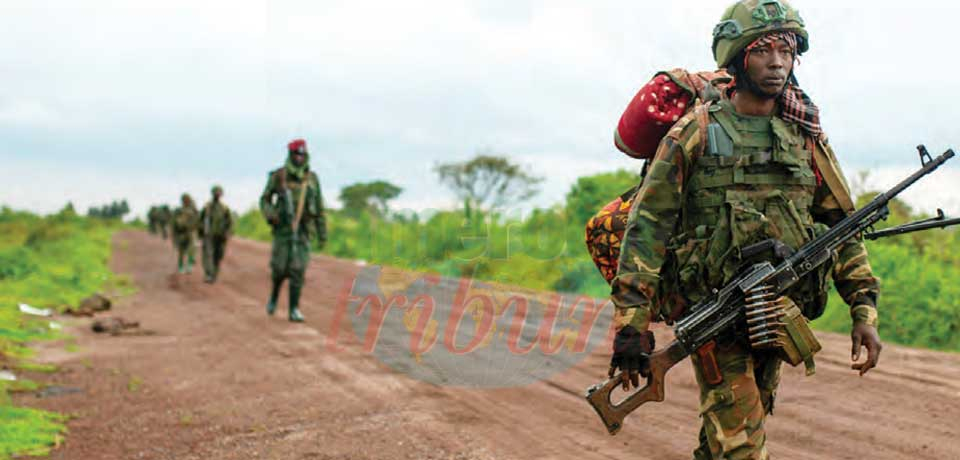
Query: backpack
[(656, 107)]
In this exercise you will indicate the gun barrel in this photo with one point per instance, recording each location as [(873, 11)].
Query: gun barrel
[(912, 227), (865, 217)]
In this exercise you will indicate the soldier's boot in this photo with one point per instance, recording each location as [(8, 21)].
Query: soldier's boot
[(189, 264), (274, 294), (295, 315), (180, 264)]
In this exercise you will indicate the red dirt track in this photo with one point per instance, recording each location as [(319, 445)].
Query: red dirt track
[(219, 379)]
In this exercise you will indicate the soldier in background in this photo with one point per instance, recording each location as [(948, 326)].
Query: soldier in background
[(216, 226), (163, 219), (152, 224), (184, 225), (293, 205)]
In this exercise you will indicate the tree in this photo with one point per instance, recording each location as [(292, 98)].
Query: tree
[(369, 196), (488, 181)]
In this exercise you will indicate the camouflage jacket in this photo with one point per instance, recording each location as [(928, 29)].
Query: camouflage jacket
[(185, 220), (216, 219), (278, 203), (670, 255)]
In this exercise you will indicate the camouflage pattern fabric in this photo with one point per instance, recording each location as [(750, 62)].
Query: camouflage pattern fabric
[(218, 220), (152, 220), (733, 411), (289, 256), (691, 214), (163, 220), (185, 221)]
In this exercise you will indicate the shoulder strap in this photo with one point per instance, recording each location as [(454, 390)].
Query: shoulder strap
[(303, 195), (702, 115), (826, 164)]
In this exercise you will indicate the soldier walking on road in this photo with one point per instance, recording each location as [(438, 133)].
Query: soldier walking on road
[(152, 221), (216, 226), (184, 225), (293, 205), (729, 174), (163, 220)]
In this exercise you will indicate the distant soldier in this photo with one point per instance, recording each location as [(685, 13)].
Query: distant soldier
[(293, 205), (216, 226), (152, 223), (185, 222), (163, 219)]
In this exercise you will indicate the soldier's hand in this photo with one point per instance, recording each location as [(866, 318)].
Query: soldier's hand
[(631, 354), (273, 219), (865, 335)]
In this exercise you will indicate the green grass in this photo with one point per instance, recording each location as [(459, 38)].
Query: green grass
[(45, 262), (26, 431)]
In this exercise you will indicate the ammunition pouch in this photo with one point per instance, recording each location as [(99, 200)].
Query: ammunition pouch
[(798, 344)]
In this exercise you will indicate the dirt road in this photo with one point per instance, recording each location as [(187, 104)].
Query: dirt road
[(220, 379)]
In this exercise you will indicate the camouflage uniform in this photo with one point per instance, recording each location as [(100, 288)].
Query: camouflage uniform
[(288, 189), (216, 226), (699, 204), (184, 224), (163, 220), (152, 223)]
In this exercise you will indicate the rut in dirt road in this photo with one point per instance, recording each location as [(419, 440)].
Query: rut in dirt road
[(220, 379)]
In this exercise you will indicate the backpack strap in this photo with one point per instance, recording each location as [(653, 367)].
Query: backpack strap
[(826, 163), (301, 200), (702, 115)]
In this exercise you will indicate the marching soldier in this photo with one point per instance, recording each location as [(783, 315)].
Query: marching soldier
[(293, 206)]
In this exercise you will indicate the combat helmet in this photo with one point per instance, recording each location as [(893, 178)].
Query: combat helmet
[(215, 189), (745, 21)]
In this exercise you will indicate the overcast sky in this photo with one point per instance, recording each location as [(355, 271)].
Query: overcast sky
[(145, 99)]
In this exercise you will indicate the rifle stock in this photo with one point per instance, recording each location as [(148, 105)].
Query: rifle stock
[(612, 414)]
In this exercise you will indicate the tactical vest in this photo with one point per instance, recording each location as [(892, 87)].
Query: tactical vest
[(311, 207), (754, 181), (216, 217)]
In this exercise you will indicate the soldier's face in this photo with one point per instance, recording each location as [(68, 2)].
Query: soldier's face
[(298, 158), (768, 68)]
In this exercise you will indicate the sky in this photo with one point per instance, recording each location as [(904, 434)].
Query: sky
[(101, 100)]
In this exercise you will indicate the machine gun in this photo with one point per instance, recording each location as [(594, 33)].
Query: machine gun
[(748, 299)]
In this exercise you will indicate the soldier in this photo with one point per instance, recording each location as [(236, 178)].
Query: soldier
[(152, 220), (727, 175), (293, 205), (163, 220), (216, 226), (184, 225)]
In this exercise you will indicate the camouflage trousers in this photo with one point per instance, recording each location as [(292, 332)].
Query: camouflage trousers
[(213, 250), (289, 259), (185, 247), (734, 410)]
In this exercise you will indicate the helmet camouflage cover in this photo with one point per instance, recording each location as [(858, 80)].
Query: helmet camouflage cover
[(745, 21)]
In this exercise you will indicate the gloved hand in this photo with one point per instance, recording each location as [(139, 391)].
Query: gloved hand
[(631, 354)]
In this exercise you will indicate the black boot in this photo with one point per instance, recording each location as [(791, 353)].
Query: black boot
[(274, 294), (295, 315)]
